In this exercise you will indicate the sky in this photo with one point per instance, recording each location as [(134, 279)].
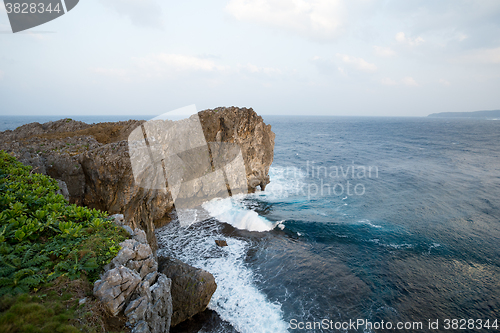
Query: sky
[(280, 57)]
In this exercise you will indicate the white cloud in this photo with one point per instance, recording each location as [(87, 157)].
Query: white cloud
[(328, 66), (161, 65), (449, 21), (384, 51), (401, 38), (483, 56), (324, 66), (444, 82), (358, 63), (174, 63), (388, 82), (146, 13), (177, 66), (112, 72), (409, 81), (317, 19), (461, 37), (253, 69)]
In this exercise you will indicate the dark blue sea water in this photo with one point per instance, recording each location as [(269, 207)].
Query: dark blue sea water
[(418, 239), (377, 219)]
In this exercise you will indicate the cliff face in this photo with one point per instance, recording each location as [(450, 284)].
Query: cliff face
[(94, 162), (247, 129)]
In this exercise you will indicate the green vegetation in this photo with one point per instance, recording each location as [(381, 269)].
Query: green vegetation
[(44, 240), (28, 313)]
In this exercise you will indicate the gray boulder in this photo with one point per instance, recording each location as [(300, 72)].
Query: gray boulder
[(136, 256), (141, 327), (152, 306), (140, 236), (116, 287), (192, 288), (160, 309), (132, 284)]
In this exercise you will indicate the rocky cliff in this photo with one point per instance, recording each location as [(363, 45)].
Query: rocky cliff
[(245, 128), (92, 161)]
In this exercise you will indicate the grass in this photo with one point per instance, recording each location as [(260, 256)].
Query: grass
[(32, 313), (56, 308)]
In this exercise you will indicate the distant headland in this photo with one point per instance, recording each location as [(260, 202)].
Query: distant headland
[(474, 114)]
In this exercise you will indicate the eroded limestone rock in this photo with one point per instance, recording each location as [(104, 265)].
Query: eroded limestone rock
[(116, 287), (136, 256), (247, 129), (132, 284), (160, 310)]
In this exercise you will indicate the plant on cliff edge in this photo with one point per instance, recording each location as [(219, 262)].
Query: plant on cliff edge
[(51, 249), (20, 267), (73, 268), (68, 240)]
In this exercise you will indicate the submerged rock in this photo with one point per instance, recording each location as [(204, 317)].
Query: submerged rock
[(192, 288)]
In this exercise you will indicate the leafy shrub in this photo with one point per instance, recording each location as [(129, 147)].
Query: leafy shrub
[(43, 237)]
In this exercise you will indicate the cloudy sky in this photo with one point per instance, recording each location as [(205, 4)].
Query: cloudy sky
[(307, 57)]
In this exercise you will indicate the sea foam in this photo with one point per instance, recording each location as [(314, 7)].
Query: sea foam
[(236, 299), (285, 182), (232, 211)]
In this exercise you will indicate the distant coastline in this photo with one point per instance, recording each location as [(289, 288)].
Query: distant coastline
[(474, 114)]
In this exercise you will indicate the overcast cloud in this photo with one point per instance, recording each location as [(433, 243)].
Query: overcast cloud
[(145, 13), (324, 57)]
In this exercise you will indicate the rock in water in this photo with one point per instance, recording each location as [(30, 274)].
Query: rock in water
[(221, 243), (192, 288)]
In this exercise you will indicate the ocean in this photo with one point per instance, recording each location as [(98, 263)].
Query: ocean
[(367, 222)]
